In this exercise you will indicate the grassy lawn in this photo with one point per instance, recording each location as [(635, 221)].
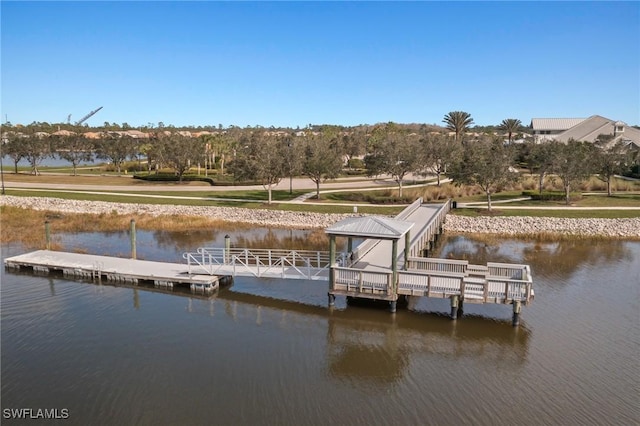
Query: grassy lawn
[(258, 204), (82, 179)]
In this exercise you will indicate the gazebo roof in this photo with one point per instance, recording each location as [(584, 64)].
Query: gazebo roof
[(370, 227)]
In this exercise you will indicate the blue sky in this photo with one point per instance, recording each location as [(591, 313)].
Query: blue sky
[(295, 63)]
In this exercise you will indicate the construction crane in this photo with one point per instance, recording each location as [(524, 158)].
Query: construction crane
[(86, 117)]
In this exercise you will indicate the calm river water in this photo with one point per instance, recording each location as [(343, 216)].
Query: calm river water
[(271, 353)]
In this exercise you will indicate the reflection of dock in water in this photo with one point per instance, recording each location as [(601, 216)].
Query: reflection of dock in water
[(382, 351), (370, 345)]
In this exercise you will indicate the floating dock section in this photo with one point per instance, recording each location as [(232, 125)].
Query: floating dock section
[(114, 269)]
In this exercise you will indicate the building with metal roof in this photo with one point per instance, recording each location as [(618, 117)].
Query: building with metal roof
[(585, 129), (547, 128)]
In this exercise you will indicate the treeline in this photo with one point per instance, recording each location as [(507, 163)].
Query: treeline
[(268, 155)]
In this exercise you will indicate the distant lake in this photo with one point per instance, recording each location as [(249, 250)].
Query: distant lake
[(55, 161), (270, 352)]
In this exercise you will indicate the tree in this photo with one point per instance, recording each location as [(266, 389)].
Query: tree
[(264, 159), (180, 151), (13, 147), (487, 164), (36, 148), (440, 152), (294, 157), (611, 161), (541, 158), (396, 153), (74, 148), (353, 142), (458, 122), (573, 163), (115, 148), (322, 159), (511, 126)]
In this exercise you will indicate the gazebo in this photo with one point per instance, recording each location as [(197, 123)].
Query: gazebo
[(376, 230)]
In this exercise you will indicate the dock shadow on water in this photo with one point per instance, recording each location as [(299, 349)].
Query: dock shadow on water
[(270, 352)]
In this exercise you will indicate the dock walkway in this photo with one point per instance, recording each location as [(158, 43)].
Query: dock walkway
[(160, 274)]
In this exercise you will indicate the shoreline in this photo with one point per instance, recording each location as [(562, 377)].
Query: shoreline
[(524, 226)]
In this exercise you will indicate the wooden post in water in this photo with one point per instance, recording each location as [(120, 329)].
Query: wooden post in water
[(454, 306), (132, 235), (227, 249), (47, 235), (517, 307)]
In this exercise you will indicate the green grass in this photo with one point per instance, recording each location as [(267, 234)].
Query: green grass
[(259, 204)]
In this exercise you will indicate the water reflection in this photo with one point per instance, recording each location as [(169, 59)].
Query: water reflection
[(376, 347), (563, 258), (169, 245)]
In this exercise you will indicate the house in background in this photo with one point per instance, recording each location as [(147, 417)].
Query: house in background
[(585, 129), (548, 128)]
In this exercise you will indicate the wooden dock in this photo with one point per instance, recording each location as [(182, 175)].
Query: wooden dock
[(114, 269), (392, 264)]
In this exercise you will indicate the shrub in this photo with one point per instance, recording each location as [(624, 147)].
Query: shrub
[(161, 177), (552, 195), (356, 163)]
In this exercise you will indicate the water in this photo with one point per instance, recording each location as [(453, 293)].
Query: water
[(52, 161), (271, 353)]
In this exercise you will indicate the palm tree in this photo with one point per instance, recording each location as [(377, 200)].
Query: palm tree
[(458, 122), (511, 126)]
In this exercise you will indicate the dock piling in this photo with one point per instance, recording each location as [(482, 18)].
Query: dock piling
[(454, 306), (47, 235), (227, 249), (332, 300), (517, 307), (133, 238)]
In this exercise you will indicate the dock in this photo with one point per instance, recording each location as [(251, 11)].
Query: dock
[(114, 269), (391, 264)]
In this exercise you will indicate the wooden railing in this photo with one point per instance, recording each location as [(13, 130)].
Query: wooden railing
[(431, 229), (442, 265), (493, 283), (362, 281)]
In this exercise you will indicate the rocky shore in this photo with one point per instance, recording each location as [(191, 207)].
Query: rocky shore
[(611, 228), (514, 225), (261, 217)]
